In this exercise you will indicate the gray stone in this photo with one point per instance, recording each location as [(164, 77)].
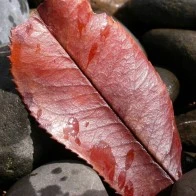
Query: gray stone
[(16, 145), (62, 179), (164, 13), (186, 186), (170, 81), (177, 49), (186, 124), (12, 13)]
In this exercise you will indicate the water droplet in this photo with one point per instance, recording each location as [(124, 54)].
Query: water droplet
[(129, 159), (39, 113), (105, 33), (179, 174), (92, 53), (121, 179), (71, 130), (38, 48), (102, 156), (128, 189), (86, 124), (83, 21)]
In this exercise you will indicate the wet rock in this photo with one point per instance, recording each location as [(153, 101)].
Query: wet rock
[(186, 124), (164, 13), (176, 48), (12, 13), (170, 81), (186, 185), (6, 82), (62, 179), (108, 6), (16, 146)]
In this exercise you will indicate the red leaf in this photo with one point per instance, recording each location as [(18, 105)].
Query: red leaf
[(93, 106)]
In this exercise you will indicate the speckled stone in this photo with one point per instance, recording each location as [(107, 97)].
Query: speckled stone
[(16, 145), (12, 13), (61, 178)]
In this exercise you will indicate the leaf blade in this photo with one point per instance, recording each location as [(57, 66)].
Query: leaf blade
[(119, 70), (33, 78)]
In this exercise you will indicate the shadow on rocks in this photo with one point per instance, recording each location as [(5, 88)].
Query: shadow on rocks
[(6, 79)]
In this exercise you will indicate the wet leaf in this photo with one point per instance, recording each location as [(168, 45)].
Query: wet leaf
[(88, 83)]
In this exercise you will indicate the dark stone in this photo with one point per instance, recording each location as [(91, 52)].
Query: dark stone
[(6, 82), (164, 13), (131, 34), (47, 183), (186, 124), (108, 6), (16, 146), (34, 3), (12, 13), (170, 81), (186, 186), (188, 161), (177, 49)]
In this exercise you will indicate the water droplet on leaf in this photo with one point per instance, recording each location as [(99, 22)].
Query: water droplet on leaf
[(86, 124), (121, 179), (39, 113), (129, 159), (71, 130), (102, 156)]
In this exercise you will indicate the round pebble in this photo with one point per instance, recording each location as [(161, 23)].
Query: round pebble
[(108, 6), (186, 185), (177, 49), (62, 179), (186, 124), (170, 81), (164, 13)]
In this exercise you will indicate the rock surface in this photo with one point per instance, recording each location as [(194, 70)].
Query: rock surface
[(62, 179), (16, 146), (186, 124), (12, 13), (164, 13), (108, 6), (170, 81), (176, 48), (188, 161), (186, 186)]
